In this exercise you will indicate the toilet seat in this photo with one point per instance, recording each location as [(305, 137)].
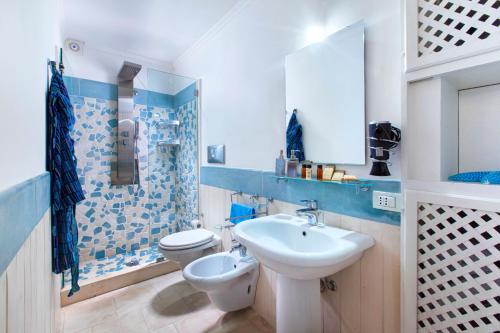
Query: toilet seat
[(186, 239)]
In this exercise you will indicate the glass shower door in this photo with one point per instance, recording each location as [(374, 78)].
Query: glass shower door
[(172, 120)]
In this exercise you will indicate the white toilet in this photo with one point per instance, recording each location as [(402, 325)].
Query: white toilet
[(185, 246), (228, 279)]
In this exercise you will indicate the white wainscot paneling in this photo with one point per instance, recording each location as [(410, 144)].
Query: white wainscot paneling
[(29, 299)]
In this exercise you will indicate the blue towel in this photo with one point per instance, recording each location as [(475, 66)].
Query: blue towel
[(483, 177), (241, 210), (492, 178), (294, 138), (66, 190)]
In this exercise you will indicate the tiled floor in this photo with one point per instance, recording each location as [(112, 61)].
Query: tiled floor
[(166, 304), (89, 270)]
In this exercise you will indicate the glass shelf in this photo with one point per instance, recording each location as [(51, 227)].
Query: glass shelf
[(362, 184), (168, 123), (175, 142)]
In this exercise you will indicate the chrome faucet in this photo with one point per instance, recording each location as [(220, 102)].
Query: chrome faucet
[(311, 212), (238, 246)]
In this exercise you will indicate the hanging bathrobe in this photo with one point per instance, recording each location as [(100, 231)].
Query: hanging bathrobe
[(294, 138), (66, 190)]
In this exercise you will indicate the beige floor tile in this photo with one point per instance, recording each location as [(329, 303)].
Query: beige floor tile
[(175, 291), (132, 298), (132, 322), (168, 329), (85, 314), (167, 304), (161, 282), (204, 322), (158, 315), (85, 330), (240, 321)]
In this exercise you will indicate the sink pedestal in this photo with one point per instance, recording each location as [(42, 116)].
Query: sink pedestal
[(298, 305)]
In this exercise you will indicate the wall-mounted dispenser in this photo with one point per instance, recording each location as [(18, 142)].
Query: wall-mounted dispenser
[(383, 139), (125, 170)]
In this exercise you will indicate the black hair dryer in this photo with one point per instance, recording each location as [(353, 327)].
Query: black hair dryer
[(383, 138)]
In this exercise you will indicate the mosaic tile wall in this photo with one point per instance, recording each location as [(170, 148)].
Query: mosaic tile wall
[(115, 220), (187, 161)]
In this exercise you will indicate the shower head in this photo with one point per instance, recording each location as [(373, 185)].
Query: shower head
[(129, 71)]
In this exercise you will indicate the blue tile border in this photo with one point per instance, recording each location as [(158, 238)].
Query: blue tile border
[(185, 95), (337, 198), (21, 208)]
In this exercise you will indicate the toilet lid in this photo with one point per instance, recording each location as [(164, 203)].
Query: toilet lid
[(186, 239)]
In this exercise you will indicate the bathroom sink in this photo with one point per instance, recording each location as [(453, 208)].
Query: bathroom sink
[(290, 246), (301, 254)]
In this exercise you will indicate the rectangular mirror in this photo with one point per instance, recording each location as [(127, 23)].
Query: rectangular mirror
[(325, 82)]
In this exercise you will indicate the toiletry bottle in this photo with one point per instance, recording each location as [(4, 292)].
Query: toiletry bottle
[(319, 172), (280, 165), (306, 171), (292, 164)]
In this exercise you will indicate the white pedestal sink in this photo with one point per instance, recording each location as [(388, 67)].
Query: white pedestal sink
[(301, 254)]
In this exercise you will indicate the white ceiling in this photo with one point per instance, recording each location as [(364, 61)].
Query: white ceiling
[(156, 29)]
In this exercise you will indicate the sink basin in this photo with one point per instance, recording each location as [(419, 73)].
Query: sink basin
[(301, 254), (290, 246)]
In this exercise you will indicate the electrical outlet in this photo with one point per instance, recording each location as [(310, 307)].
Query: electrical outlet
[(387, 201)]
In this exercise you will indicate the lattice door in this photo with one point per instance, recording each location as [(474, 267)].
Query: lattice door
[(446, 24), (458, 269)]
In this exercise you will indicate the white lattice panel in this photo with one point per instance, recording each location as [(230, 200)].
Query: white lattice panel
[(458, 270), (446, 24)]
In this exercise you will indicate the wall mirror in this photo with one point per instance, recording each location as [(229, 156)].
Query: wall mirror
[(325, 82)]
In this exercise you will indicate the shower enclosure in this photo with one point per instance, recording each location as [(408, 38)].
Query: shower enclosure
[(120, 225), (172, 154)]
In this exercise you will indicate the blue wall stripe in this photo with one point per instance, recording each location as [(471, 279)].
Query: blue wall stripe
[(185, 95), (21, 208), (160, 100), (337, 198), (98, 89), (109, 91)]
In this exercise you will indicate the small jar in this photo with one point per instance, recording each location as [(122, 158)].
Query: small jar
[(309, 171), (319, 172), (306, 170), (303, 171)]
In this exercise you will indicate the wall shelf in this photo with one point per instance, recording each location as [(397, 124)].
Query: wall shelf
[(175, 142), (168, 123), (361, 184)]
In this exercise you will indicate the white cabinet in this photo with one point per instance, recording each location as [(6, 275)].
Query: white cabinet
[(439, 31), (452, 49)]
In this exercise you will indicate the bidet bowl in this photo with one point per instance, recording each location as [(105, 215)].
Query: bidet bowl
[(217, 271), (228, 279)]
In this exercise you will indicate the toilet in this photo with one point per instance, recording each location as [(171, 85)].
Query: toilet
[(228, 279), (185, 246)]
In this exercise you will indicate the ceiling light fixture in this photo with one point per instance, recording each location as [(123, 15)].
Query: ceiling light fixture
[(315, 34)]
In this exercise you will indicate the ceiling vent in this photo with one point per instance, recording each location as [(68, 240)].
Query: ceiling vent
[(75, 46)]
